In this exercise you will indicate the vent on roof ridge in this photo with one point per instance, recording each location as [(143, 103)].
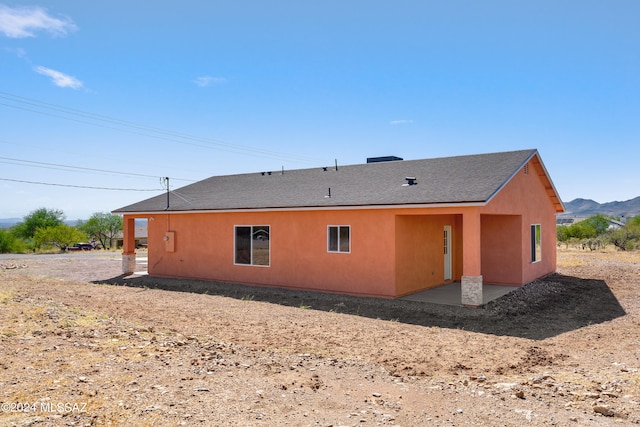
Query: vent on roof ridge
[(383, 159)]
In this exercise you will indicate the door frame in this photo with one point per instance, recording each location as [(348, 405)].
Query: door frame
[(448, 276)]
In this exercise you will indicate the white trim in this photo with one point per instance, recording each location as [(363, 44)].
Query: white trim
[(517, 171), (251, 264), (533, 244), (312, 208), (448, 258), (328, 239)]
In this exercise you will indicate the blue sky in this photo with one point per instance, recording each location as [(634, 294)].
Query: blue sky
[(118, 94)]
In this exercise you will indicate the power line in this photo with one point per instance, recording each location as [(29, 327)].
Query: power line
[(143, 129), (70, 168), (77, 186)]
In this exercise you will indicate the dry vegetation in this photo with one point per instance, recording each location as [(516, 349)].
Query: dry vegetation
[(557, 352)]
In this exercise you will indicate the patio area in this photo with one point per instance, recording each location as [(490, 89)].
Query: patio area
[(451, 294)]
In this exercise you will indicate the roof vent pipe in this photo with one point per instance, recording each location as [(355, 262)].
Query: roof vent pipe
[(411, 180)]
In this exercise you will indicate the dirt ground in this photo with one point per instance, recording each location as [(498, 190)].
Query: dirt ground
[(81, 345)]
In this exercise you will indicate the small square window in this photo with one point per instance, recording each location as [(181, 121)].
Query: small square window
[(339, 238)]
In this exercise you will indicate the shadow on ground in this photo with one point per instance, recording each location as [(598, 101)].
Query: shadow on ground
[(539, 310)]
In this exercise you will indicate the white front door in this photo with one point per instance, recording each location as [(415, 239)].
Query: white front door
[(447, 252)]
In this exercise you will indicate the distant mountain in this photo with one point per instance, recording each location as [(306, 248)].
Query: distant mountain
[(587, 207), (9, 222)]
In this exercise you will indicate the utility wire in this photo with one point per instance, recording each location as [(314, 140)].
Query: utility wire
[(168, 135), (56, 149), (110, 127), (77, 186), (69, 168)]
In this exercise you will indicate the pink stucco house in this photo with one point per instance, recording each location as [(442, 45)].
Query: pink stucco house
[(383, 229)]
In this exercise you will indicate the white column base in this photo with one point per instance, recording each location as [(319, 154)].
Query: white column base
[(128, 263), (471, 291)]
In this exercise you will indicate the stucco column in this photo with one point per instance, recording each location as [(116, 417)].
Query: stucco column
[(471, 282), (128, 245)]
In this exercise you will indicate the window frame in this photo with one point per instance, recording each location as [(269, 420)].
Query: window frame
[(339, 237), (536, 243), (252, 230)]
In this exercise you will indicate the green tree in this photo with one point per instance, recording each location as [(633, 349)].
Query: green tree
[(590, 228), (562, 233), (634, 220), (61, 236), (40, 218), (597, 224), (9, 243), (103, 227), (627, 237)]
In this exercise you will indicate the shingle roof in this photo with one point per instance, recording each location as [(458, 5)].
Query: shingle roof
[(461, 179)]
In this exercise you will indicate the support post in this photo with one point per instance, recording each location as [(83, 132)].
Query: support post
[(471, 283), (128, 245), (471, 291)]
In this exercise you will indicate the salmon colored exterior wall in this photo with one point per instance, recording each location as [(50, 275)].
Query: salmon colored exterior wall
[(501, 244), (420, 251), (204, 249), (525, 196), (394, 251)]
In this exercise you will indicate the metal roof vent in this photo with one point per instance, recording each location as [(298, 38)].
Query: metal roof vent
[(383, 159), (411, 180)]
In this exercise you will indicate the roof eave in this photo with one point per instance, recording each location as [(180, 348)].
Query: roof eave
[(559, 206), (309, 208)]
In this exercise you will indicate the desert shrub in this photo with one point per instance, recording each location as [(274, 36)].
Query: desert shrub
[(627, 237), (10, 244), (593, 244)]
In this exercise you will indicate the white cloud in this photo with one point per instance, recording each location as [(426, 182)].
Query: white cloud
[(400, 122), (21, 22), (19, 52), (60, 79), (209, 80)]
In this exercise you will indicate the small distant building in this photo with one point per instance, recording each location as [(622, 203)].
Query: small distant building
[(140, 239)]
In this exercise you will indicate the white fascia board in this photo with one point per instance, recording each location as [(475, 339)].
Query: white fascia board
[(314, 208)]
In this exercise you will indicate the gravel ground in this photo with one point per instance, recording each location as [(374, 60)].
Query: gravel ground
[(147, 351)]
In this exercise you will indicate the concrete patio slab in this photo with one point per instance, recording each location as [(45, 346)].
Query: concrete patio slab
[(451, 294)]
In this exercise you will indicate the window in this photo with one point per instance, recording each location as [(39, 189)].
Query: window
[(339, 238), (536, 246), (252, 245)]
